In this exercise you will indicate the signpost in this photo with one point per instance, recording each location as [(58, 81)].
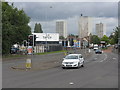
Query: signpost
[(118, 45), (30, 50)]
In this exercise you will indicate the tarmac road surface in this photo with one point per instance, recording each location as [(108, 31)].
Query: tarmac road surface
[(100, 71)]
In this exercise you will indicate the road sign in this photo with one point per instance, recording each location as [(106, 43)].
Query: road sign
[(30, 50)]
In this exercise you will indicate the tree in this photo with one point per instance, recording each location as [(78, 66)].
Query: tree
[(14, 26), (112, 42), (95, 39), (61, 37), (38, 28), (115, 35), (106, 39)]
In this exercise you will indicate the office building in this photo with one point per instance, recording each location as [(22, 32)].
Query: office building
[(61, 28), (100, 30), (85, 26)]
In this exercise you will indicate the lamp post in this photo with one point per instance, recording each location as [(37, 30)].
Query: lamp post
[(46, 17), (46, 41), (118, 45)]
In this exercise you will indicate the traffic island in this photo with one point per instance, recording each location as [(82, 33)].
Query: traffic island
[(38, 66)]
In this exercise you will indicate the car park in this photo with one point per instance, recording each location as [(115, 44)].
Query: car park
[(73, 60)]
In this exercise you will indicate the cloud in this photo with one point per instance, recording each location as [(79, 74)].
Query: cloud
[(40, 10), (47, 13)]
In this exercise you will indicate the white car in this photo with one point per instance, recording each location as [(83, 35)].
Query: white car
[(73, 60)]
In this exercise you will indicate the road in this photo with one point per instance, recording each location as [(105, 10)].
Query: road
[(100, 71)]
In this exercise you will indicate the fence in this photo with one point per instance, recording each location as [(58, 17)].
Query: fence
[(50, 47)]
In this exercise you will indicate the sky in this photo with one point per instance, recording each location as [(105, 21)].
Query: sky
[(46, 13)]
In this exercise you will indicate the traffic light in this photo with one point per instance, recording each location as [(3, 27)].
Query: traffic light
[(71, 42), (66, 43), (62, 43), (30, 40), (34, 40), (24, 43)]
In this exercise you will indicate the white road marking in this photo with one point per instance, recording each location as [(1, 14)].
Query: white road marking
[(104, 58), (95, 58), (71, 83)]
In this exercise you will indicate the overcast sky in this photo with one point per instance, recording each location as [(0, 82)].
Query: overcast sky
[(47, 14)]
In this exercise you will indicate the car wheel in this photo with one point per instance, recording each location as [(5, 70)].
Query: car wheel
[(82, 65), (78, 65), (63, 67)]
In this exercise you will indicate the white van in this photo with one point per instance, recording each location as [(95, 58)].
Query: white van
[(95, 47)]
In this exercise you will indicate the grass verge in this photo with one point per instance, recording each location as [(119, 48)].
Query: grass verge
[(51, 52), (13, 56), (17, 56)]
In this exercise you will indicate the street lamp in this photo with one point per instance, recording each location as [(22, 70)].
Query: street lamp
[(46, 41), (46, 24), (118, 45)]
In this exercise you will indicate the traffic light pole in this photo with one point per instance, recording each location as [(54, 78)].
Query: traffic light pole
[(31, 40)]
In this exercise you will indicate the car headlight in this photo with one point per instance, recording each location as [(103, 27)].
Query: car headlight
[(63, 62)]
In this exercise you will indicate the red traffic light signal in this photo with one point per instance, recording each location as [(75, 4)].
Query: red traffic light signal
[(32, 40)]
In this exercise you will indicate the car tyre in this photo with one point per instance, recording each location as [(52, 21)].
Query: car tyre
[(82, 65), (63, 67), (78, 66)]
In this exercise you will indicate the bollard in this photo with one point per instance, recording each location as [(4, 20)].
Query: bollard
[(65, 54), (89, 51), (28, 63)]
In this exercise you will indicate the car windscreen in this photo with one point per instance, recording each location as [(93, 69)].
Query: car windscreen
[(98, 50), (71, 57)]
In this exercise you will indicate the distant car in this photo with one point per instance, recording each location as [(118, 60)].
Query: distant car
[(108, 45), (116, 46), (98, 51), (73, 60), (14, 50), (95, 47)]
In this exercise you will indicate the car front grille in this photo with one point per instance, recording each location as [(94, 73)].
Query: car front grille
[(68, 62)]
